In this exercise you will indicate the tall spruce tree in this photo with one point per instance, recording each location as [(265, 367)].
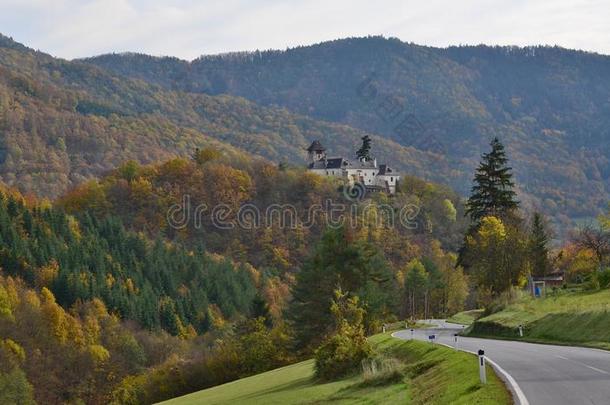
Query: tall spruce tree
[(364, 153), (492, 193), (538, 250)]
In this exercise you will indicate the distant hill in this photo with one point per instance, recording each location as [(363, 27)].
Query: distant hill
[(549, 105), (62, 122)]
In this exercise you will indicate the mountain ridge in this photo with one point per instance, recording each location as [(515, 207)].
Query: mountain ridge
[(548, 104)]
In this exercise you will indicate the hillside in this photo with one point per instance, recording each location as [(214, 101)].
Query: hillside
[(563, 317), (426, 375), (64, 122), (549, 105)]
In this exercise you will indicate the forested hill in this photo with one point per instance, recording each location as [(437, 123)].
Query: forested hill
[(63, 122), (549, 105)]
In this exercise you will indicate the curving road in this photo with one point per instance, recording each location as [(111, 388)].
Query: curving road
[(544, 374)]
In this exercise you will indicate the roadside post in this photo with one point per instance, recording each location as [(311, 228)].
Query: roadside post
[(482, 374), (411, 334), (455, 336), (520, 330), (383, 328)]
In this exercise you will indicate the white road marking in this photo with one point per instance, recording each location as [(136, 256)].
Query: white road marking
[(513, 386), (583, 364), (596, 369)]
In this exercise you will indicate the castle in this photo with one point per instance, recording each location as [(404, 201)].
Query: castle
[(366, 172)]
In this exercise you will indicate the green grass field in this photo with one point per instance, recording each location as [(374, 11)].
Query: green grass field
[(431, 374), (466, 317), (579, 318)]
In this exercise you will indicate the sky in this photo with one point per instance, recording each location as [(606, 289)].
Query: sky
[(190, 28)]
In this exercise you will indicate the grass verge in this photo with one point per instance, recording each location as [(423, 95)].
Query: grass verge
[(421, 374), (466, 317), (568, 318)]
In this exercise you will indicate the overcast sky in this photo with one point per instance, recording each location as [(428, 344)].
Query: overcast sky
[(189, 28)]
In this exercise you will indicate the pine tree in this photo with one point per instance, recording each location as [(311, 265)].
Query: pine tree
[(364, 153), (492, 194), (339, 260), (539, 252), (260, 309)]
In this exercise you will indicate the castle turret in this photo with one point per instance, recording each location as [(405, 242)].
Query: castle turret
[(316, 151)]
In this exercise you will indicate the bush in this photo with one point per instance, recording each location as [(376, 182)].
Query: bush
[(343, 352), (340, 355), (604, 278)]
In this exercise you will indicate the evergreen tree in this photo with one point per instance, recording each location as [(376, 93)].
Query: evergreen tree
[(492, 193), (539, 252), (260, 309), (339, 261), (364, 153)]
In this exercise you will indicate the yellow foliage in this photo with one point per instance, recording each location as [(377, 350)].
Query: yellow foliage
[(47, 296), (46, 274), (491, 229), (202, 156), (110, 280), (187, 332), (99, 353), (32, 300), (55, 316), (74, 227), (5, 305), (14, 348), (129, 286), (217, 320)]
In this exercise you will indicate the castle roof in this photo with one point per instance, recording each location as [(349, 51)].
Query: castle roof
[(385, 169), (361, 164), (329, 163), (316, 146)]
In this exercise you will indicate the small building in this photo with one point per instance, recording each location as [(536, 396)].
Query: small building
[(538, 284), (366, 172)]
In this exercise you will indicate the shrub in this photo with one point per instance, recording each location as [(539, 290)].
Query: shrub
[(604, 278), (343, 352)]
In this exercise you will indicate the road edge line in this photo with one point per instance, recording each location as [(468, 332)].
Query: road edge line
[(503, 374)]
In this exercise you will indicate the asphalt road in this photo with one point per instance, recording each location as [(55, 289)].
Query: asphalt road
[(545, 374)]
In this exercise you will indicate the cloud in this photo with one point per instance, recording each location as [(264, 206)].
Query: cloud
[(189, 28)]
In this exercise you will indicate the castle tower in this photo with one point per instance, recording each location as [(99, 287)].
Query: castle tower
[(316, 151)]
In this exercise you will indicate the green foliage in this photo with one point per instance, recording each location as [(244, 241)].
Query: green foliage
[(538, 246), (604, 278), (159, 285), (364, 153), (339, 260), (416, 286), (15, 388), (492, 193), (345, 349)]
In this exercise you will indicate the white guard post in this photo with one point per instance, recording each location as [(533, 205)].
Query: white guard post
[(482, 374)]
